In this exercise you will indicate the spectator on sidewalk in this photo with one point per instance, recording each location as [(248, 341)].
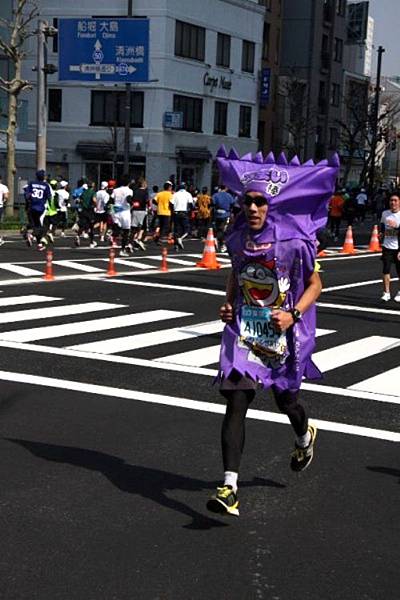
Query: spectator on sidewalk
[(4, 193)]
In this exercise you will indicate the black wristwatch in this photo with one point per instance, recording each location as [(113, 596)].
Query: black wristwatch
[(296, 314)]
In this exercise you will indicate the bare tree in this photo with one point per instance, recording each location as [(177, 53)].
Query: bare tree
[(357, 130), (295, 123), (13, 35)]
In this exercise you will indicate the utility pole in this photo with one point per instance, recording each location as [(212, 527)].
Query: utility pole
[(41, 101), (128, 88), (375, 120), (42, 70)]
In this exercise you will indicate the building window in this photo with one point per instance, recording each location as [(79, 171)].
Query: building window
[(327, 10), (325, 56), (335, 94), (338, 50), (223, 50), (220, 117), (55, 37), (108, 109), (322, 104), (245, 121), (277, 45), (248, 52), (266, 35), (341, 7), (333, 138), (55, 105), (190, 41), (192, 109)]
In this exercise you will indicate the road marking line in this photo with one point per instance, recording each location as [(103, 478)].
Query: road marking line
[(384, 383), (354, 285), (78, 266), (31, 299), (152, 364), (82, 327), (351, 352), (152, 338), (19, 270), (352, 257), (55, 311), (379, 311), (186, 403)]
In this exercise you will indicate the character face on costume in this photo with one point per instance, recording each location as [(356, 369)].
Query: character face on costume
[(259, 283), (255, 212)]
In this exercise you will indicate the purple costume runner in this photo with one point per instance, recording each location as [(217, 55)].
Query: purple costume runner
[(272, 266)]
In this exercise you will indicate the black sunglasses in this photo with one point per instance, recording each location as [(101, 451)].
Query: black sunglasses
[(257, 200)]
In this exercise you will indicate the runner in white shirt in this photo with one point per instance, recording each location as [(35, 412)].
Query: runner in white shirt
[(182, 202), (122, 197), (390, 232), (102, 199), (63, 201), (3, 198)]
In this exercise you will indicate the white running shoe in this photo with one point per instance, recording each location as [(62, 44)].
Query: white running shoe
[(2, 241), (140, 244), (124, 253), (397, 297), (179, 243), (62, 234), (93, 245), (85, 235), (386, 297)]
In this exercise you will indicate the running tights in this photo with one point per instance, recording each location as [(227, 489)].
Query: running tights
[(233, 426)]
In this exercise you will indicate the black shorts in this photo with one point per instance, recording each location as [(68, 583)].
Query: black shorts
[(389, 258), (101, 217)]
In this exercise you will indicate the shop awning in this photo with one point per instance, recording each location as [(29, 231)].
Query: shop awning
[(193, 153), (92, 149)]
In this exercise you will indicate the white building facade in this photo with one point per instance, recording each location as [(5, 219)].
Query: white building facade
[(205, 60)]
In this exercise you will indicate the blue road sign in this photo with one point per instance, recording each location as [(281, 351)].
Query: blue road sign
[(103, 50), (265, 87)]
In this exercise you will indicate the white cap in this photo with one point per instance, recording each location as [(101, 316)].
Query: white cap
[(104, 185), (63, 183)]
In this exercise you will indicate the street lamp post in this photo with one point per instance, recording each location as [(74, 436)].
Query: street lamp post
[(127, 109), (375, 120)]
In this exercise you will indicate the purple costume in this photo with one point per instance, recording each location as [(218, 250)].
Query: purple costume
[(272, 266)]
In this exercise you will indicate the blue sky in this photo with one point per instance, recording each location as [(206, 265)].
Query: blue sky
[(386, 14)]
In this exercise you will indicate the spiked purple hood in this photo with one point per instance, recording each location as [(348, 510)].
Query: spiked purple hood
[(297, 194)]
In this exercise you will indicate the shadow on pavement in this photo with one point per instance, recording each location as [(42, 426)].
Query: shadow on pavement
[(386, 471), (135, 479)]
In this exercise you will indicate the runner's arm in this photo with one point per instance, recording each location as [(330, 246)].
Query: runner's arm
[(283, 320), (226, 310)]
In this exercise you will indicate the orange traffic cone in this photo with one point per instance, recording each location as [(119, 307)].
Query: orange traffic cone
[(164, 265), (374, 245), (322, 254), (170, 240), (209, 259), (48, 276), (348, 246), (111, 272)]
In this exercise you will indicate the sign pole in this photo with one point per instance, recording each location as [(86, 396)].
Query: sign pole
[(127, 110)]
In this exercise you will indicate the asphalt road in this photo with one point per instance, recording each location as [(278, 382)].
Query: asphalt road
[(110, 451)]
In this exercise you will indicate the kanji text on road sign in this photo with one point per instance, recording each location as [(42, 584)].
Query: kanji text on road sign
[(104, 49)]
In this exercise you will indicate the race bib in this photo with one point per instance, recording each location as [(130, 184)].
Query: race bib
[(257, 332)]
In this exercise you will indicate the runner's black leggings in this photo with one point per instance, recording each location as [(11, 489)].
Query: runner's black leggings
[(233, 426)]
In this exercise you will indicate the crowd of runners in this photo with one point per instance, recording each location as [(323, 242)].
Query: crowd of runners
[(123, 213)]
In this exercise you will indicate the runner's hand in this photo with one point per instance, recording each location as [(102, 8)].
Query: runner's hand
[(281, 320), (226, 313)]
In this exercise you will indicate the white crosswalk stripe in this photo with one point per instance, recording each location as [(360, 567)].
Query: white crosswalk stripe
[(31, 299), (154, 338), (345, 354), (83, 327), (78, 266), (20, 270), (56, 311)]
